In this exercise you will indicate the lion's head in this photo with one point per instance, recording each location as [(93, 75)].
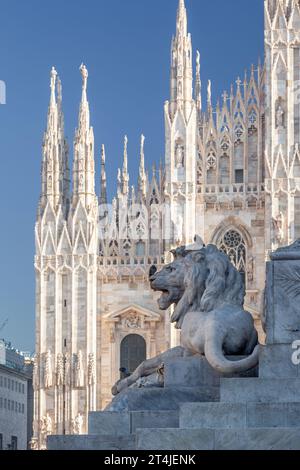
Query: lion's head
[(198, 281)]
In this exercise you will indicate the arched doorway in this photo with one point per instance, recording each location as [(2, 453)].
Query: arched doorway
[(133, 352)]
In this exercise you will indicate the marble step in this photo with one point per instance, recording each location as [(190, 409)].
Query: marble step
[(259, 390), (239, 415), (167, 399), (122, 424), (90, 442), (219, 439)]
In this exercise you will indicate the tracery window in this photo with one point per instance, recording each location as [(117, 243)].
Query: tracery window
[(239, 133), (234, 246), (127, 247), (113, 248)]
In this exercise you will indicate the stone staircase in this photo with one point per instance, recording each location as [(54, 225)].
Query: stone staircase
[(228, 413), (115, 430)]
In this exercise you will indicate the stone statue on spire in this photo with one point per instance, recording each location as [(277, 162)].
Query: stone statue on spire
[(142, 144), (85, 74), (53, 78), (59, 90), (53, 83), (198, 62), (209, 93)]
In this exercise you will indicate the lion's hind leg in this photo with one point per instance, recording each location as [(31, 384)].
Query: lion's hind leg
[(146, 368)]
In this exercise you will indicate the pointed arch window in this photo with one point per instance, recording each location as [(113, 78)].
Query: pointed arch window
[(234, 246)]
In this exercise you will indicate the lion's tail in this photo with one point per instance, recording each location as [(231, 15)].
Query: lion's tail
[(215, 357)]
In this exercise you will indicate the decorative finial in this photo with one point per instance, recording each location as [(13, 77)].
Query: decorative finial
[(238, 82), (225, 96)]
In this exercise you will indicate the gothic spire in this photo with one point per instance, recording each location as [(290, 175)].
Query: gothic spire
[(103, 197), (181, 66), (142, 174), (181, 19), (125, 175), (52, 87), (84, 163), (52, 166), (64, 149)]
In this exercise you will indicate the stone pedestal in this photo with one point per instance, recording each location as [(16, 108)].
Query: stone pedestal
[(282, 316)]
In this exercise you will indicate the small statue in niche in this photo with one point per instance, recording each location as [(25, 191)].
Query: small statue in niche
[(77, 424), (67, 367), (35, 374), (33, 444), (174, 57), (79, 373), (48, 370), (250, 269), (178, 230), (81, 182), (59, 370), (179, 155), (179, 89), (46, 425), (50, 182), (91, 369), (278, 227), (81, 164), (279, 116)]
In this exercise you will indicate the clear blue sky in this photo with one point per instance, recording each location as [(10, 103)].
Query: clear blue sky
[(126, 47)]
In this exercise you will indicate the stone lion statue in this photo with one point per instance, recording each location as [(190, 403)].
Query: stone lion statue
[(208, 294)]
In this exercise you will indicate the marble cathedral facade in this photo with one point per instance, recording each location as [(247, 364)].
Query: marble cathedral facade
[(231, 175)]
